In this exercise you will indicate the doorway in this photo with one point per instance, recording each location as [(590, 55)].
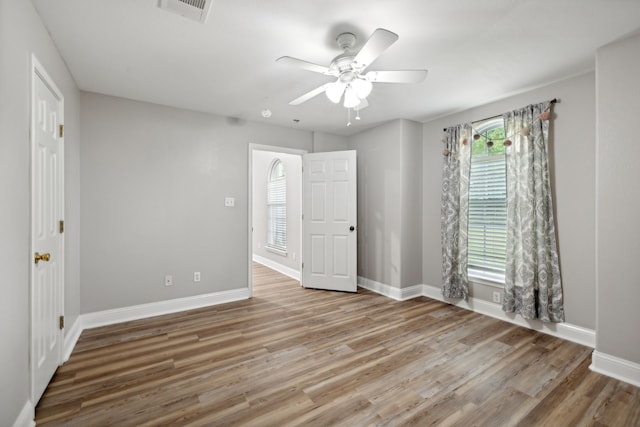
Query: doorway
[(275, 238)]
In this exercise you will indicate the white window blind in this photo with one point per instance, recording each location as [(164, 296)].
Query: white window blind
[(488, 214), (277, 207), (487, 232)]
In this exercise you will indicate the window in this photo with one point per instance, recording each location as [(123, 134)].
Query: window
[(277, 208), (487, 232)]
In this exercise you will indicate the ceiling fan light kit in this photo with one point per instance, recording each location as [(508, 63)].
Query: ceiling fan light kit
[(334, 91), (349, 69), (362, 87), (351, 99)]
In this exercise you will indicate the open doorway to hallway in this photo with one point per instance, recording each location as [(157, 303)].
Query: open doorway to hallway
[(276, 210)]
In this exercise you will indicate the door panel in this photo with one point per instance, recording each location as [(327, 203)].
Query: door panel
[(329, 224), (46, 210)]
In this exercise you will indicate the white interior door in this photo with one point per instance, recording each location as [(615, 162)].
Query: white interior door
[(329, 229), (46, 238)]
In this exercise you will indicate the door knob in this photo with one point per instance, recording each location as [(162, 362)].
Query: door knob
[(44, 257), (352, 228)]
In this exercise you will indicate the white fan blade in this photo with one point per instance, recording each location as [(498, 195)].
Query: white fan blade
[(295, 62), (379, 41), (307, 96), (363, 104), (404, 76)]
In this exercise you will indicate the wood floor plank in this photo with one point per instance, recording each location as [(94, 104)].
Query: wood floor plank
[(292, 356)]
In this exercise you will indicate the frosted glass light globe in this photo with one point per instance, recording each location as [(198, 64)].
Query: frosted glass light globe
[(334, 91), (362, 87)]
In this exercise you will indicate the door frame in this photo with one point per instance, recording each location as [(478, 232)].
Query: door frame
[(274, 149), (37, 71)]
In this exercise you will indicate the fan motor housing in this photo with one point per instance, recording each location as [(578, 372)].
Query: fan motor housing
[(343, 63), (346, 41)]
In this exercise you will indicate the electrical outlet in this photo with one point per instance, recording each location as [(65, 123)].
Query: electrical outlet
[(196, 276), (496, 297), (229, 202), (168, 280)]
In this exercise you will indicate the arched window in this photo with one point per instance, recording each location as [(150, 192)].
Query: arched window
[(277, 207)]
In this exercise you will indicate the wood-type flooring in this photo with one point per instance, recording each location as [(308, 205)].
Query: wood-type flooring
[(291, 356)]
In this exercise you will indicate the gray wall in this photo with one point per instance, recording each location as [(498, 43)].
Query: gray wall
[(389, 203), (21, 34), (572, 156), (618, 199), (154, 180), (411, 193), (329, 142), (262, 161)]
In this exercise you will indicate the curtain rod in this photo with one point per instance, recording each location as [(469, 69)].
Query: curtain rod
[(553, 101)]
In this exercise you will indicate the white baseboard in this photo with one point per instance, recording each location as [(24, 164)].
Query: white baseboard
[(399, 294), (287, 271), (71, 338), (125, 314), (566, 331), (615, 367), (26, 416)]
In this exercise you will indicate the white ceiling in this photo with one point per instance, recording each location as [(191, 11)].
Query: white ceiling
[(476, 51)]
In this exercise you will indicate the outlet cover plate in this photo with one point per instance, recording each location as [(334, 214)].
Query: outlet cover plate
[(496, 297)]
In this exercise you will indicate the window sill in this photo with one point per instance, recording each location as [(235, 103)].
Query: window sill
[(276, 251), (487, 279)]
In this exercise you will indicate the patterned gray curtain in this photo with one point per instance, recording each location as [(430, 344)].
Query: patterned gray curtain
[(533, 286), (454, 211)]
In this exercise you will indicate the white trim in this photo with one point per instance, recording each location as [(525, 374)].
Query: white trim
[(71, 337), (287, 271), (484, 281), (275, 250), (566, 331), (398, 294), (26, 416), (615, 367), (135, 312)]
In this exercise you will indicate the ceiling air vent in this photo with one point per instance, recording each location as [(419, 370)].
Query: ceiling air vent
[(196, 10)]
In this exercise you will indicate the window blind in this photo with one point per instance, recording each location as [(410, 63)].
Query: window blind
[(487, 232), (277, 213)]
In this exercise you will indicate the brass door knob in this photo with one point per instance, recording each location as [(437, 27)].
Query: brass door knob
[(44, 257)]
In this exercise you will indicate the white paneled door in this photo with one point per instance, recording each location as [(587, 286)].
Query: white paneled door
[(46, 229), (329, 229)]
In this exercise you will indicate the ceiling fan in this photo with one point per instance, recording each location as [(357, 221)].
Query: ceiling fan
[(349, 68)]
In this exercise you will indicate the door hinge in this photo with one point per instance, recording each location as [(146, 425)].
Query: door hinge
[(61, 322), (61, 226), (302, 265), (61, 133)]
